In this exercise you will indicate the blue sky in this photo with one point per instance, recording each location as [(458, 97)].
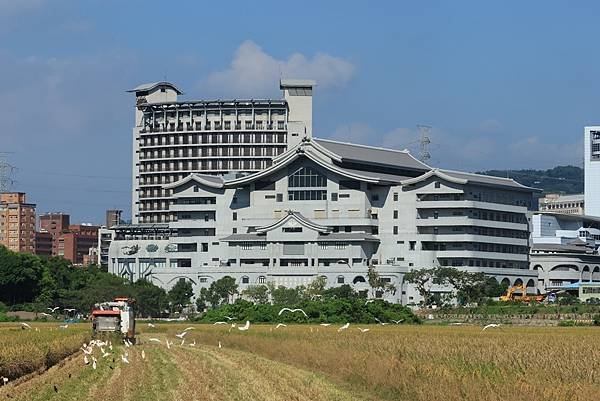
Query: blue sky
[(504, 85)]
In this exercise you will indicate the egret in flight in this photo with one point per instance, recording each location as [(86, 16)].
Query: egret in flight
[(292, 311)]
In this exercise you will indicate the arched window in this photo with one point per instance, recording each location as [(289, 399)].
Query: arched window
[(359, 279), (245, 280), (261, 280)]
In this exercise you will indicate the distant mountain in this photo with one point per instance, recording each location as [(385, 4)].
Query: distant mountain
[(561, 179)]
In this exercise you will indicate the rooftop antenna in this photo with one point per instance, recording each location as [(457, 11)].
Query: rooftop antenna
[(424, 141), (6, 173)]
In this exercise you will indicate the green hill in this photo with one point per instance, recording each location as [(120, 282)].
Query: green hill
[(561, 179)]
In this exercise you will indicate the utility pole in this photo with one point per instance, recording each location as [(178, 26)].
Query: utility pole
[(6, 173), (424, 141)]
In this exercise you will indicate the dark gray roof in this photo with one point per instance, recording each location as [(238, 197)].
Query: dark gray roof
[(152, 85), (217, 179), (395, 178), (373, 155), (572, 217), (562, 248), (487, 179), (347, 237), (244, 237)]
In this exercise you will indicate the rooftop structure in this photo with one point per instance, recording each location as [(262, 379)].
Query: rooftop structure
[(566, 204)]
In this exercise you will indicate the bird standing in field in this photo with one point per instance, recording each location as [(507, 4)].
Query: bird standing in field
[(124, 358), (220, 346), (292, 311), (4, 381), (25, 326), (280, 325), (344, 327), (491, 326), (143, 354), (325, 324), (215, 323), (64, 326), (151, 325), (245, 327)]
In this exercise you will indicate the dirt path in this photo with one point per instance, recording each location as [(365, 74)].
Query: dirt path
[(180, 373)]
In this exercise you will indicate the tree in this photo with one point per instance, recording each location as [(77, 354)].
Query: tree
[(422, 280), (151, 300), (180, 294), (259, 294), (219, 292), (316, 288), (377, 284)]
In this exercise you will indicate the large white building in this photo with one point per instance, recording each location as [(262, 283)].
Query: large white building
[(173, 138), (327, 208), (591, 157)]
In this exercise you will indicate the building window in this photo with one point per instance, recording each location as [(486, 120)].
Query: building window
[(307, 195), (262, 280), (395, 214), (341, 279), (437, 184), (395, 230), (395, 196), (245, 280), (412, 245), (307, 177), (334, 196), (234, 216), (292, 229), (279, 198)]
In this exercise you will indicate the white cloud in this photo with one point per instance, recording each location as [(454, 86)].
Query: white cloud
[(253, 72)]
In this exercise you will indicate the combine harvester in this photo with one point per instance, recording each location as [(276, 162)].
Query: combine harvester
[(117, 316)]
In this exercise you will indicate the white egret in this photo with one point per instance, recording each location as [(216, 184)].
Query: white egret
[(155, 340), (189, 328), (64, 326), (397, 321), (220, 346), (143, 354), (4, 381), (325, 324), (124, 359), (364, 330), (344, 327), (85, 360), (491, 325), (151, 325), (70, 309), (219, 323), (25, 326), (228, 318), (53, 309), (292, 311), (181, 335), (245, 327), (280, 325), (193, 344), (94, 364)]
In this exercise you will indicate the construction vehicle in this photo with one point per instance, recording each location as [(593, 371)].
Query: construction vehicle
[(512, 295), (116, 316)]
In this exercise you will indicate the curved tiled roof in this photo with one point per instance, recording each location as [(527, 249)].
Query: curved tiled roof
[(152, 85)]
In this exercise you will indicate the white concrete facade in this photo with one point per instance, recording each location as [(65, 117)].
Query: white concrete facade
[(591, 157), (326, 208)]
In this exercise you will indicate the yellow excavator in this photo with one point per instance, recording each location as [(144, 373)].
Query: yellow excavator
[(512, 295)]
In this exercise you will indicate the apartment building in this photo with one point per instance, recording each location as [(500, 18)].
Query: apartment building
[(331, 209), (174, 138), (17, 222)]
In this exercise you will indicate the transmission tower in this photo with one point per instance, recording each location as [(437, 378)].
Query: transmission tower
[(6, 173), (424, 141)]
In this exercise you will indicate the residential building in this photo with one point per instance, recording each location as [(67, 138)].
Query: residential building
[(17, 222), (76, 242), (113, 217), (56, 224), (174, 138), (591, 161), (332, 209), (565, 249), (566, 204), (43, 243)]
